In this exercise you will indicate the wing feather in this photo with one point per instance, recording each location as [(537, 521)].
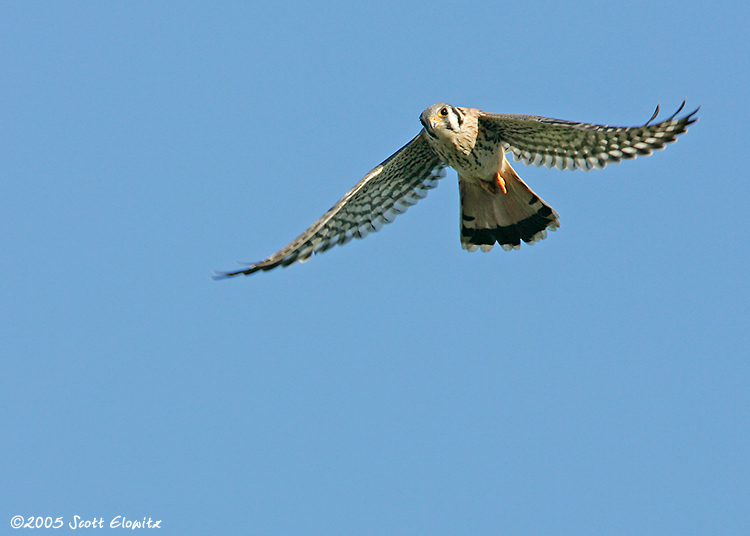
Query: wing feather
[(384, 193), (570, 145)]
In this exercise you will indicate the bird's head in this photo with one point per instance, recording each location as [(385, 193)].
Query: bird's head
[(442, 119)]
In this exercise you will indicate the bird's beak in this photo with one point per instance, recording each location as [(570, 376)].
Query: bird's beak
[(429, 123)]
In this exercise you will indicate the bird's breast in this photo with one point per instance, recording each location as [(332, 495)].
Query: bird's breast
[(481, 162)]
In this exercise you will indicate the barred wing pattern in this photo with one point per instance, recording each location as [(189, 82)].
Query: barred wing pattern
[(570, 145), (384, 193)]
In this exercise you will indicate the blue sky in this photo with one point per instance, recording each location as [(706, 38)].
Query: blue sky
[(596, 383)]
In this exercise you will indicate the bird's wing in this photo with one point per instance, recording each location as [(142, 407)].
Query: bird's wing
[(385, 192), (570, 145)]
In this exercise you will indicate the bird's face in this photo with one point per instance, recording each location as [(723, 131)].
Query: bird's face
[(442, 120)]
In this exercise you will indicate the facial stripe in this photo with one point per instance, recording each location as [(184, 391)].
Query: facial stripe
[(459, 115)]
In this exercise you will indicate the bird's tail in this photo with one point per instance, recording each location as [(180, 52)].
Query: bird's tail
[(505, 211)]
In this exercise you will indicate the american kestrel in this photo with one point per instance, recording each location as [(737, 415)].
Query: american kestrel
[(496, 205)]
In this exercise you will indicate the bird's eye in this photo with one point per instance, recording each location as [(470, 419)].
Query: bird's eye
[(444, 111)]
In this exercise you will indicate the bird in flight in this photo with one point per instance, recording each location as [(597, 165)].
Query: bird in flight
[(496, 205)]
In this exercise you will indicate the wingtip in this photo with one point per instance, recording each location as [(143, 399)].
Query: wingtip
[(678, 110), (218, 276), (690, 118), (691, 114), (653, 116), (226, 275)]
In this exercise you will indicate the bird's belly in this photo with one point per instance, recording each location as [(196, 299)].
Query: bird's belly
[(478, 166)]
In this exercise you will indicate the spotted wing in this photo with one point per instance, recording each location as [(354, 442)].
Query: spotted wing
[(385, 192), (570, 145)]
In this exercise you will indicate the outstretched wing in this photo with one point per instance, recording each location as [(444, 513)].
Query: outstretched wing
[(385, 192), (570, 145)]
